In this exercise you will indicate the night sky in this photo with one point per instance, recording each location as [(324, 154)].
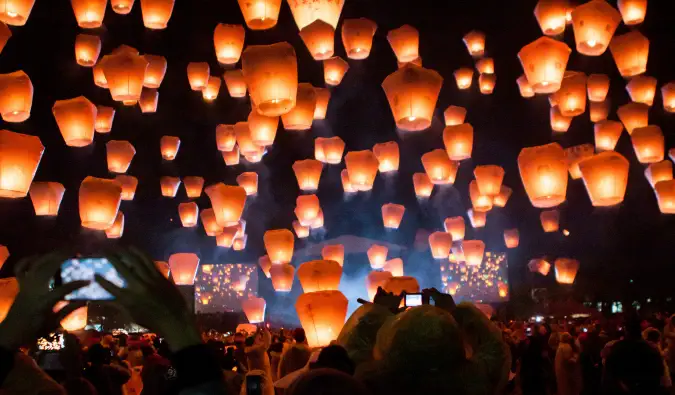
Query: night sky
[(632, 241)]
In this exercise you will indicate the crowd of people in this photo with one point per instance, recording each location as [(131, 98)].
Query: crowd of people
[(437, 348)]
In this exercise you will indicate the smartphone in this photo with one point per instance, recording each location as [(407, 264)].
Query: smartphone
[(85, 269), (412, 300), (253, 385)]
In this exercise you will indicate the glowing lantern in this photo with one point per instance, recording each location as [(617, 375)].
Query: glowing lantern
[(322, 315), (540, 266), (193, 186), (387, 155), (630, 52), (20, 156), (334, 252), (347, 186), (260, 14), (440, 243), (318, 38), (334, 69), (122, 7), (4, 254), (633, 116), (477, 218), (377, 256), (423, 185), (566, 270), (254, 308), (550, 15), (322, 99), (209, 223), (642, 89), (656, 172), (486, 83), (319, 275), (169, 186), (550, 220), (128, 184), (231, 158), (16, 96), (228, 41), (362, 168), (249, 181), (99, 201), (599, 111), (189, 212), (605, 176), (594, 24), (89, 13), (405, 42), (511, 238), (169, 146), (392, 215), (668, 96), (99, 75), (227, 201), (212, 88), (463, 77), (399, 284), (198, 75), (473, 252), (394, 266), (308, 173), (156, 13), (357, 37), (479, 201), (503, 196), (117, 228), (104, 119), (412, 93), (15, 13), (46, 198), (598, 87), (119, 154), (87, 49), (148, 101), (454, 115), (239, 243), (544, 61), (75, 321), (265, 264), (475, 43), (458, 141), (301, 116), (282, 277), (300, 231), (440, 169), (665, 193), (154, 74), (485, 66), (416, 62), (307, 208), (543, 170), (489, 179), (575, 155), (225, 137), (236, 85), (76, 120), (607, 134), (455, 226), (271, 73), (632, 11), (374, 280), (524, 86), (5, 35), (648, 143), (227, 236), (571, 97), (329, 150), (183, 268), (124, 72), (279, 245), (318, 221)]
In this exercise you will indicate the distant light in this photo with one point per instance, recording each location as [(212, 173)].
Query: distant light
[(630, 281), (566, 232)]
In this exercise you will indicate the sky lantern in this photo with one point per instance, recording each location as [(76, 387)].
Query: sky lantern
[(99, 201), (183, 267), (254, 308), (632, 11), (9, 288), (479, 201), (235, 82), (524, 86), (566, 270), (630, 52), (119, 154), (550, 220), (454, 115), (440, 243), (399, 284), (76, 119), (46, 198), (362, 168), (387, 155), (318, 221), (193, 186), (308, 173), (633, 116), (154, 74), (477, 218), (668, 97), (392, 215), (503, 289), (394, 266), (124, 73), (231, 158), (227, 201), (458, 141), (377, 256), (489, 179), (305, 12), (486, 83), (104, 119), (594, 24), (334, 252), (75, 321), (244, 139), (475, 43), (212, 88), (655, 172), (282, 277), (463, 77), (322, 315), (456, 227), (347, 186), (412, 93), (575, 155), (239, 243), (149, 100), (16, 96), (99, 75), (302, 115), (156, 13), (189, 213), (169, 186), (440, 169), (405, 42), (225, 137), (605, 177), (318, 37), (598, 87), (375, 280), (551, 16), (5, 35), (544, 62), (228, 41), (265, 264), (15, 12), (334, 69), (329, 150), (20, 156), (485, 66), (503, 196), (543, 170), (665, 194), (648, 143), (307, 208), (423, 185), (473, 252), (122, 7), (87, 49), (169, 146), (117, 229), (198, 75), (642, 89), (301, 231), (599, 111), (128, 184), (271, 74), (89, 13), (227, 236), (319, 275), (279, 245), (511, 238), (322, 99), (260, 14), (539, 265), (357, 37), (249, 181), (571, 97)]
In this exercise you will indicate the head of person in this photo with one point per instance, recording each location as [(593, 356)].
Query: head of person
[(566, 338), (334, 357), (327, 382), (99, 355), (147, 350), (299, 335), (542, 330), (250, 341), (652, 335), (107, 341)]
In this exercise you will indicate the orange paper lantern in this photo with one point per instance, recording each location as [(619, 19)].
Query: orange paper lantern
[(440, 169), (544, 61), (228, 41), (184, 268), (322, 315), (279, 245), (399, 284), (387, 155), (227, 201), (99, 201), (511, 238), (362, 168), (198, 75), (485, 66), (599, 111), (271, 73), (117, 229), (318, 37), (598, 87), (543, 170), (302, 115), (99, 75), (394, 266), (656, 172), (524, 86), (489, 179), (607, 134), (169, 146), (334, 70), (104, 119), (212, 88), (189, 212), (550, 220), (334, 252), (322, 99), (318, 221), (454, 115), (308, 173), (329, 150), (456, 227), (463, 77), (665, 194), (630, 52), (154, 74), (231, 158), (193, 186), (566, 270), (119, 154), (122, 7), (475, 43), (169, 186), (357, 37), (571, 97), (594, 24), (486, 83), (76, 119), (87, 49), (480, 202), (633, 116), (605, 176), (148, 101), (227, 236), (412, 93), (20, 156), (458, 141), (89, 13), (503, 196), (254, 308), (260, 14), (473, 252), (377, 256), (235, 82), (540, 266), (375, 280), (249, 181), (300, 231), (642, 89), (16, 12), (440, 243), (209, 223), (225, 138), (239, 243), (265, 264), (16, 96), (320, 275), (423, 185), (668, 96), (282, 277), (128, 184), (575, 155), (405, 42), (392, 215), (648, 143), (632, 11), (307, 208), (156, 13), (124, 72), (551, 15), (46, 198), (477, 218)]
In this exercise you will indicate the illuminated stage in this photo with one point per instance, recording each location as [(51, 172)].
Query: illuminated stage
[(218, 288), (485, 283)]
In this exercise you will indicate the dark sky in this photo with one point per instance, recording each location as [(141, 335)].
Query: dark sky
[(631, 241)]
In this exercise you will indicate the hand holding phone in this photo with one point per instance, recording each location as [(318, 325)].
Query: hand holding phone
[(413, 300)]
